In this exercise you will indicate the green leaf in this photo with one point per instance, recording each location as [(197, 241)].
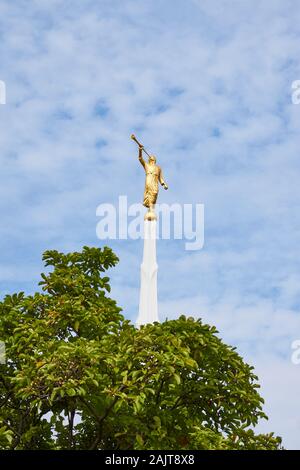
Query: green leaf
[(139, 439), (177, 378)]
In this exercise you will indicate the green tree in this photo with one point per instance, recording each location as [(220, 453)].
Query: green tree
[(79, 375)]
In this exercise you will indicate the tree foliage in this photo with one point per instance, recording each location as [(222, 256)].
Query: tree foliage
[(80, 376)]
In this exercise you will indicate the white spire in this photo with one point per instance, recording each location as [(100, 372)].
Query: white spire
[(148, 293)]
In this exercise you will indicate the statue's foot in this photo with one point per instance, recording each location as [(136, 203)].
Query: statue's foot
[(150, 215)]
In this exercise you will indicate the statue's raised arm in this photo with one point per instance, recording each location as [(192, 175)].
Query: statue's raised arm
[(141, 156)]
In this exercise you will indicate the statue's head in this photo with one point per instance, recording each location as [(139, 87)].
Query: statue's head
[(152, 159)]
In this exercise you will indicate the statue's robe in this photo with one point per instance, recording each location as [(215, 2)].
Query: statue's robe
[(153, 177)]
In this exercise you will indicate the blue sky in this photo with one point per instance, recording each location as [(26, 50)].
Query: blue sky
[(207, 86)]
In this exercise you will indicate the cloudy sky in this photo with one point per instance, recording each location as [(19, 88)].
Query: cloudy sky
[(206, 85)]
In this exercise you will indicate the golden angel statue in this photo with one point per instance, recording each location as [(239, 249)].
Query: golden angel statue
[(153, 177)]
